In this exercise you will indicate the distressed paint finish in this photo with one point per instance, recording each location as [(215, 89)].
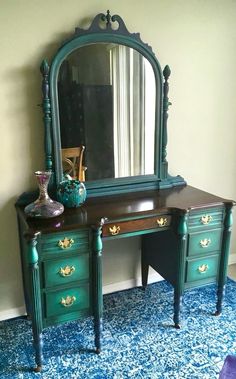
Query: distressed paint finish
[(164, 248), (182, 231), (228, 222), (97, 282), (36, 310)]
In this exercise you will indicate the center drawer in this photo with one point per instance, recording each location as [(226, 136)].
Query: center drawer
[(204, 242), (157, 222), (66, 270)]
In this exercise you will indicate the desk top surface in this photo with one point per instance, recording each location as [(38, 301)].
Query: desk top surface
[(127, 206)]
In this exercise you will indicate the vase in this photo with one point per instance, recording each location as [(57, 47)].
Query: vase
[(72, 193), (44, 206)]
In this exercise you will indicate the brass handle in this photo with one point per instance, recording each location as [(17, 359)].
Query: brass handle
[(205, 243), (65, 243), (114, 230), (162, 222), (66, 271), (206, 219), (68, 301), (203, 268)]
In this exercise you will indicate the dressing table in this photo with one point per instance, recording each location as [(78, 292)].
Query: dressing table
[(105, 90)]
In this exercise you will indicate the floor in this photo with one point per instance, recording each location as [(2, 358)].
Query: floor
[(232, 271)]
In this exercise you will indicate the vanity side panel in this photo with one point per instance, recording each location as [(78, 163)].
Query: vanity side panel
[(159, 251)]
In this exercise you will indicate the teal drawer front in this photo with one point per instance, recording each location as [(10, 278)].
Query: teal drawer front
[(200, 269), (77, 240), (208, 218), (66, 270), (204, 242), (67, 300)]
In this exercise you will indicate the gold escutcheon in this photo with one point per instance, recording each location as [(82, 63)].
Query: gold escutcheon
[(162, 222), (68, 301), (66, 271), (206, 219), (65, 243), (114, 230), (203, 268), (205, 243)]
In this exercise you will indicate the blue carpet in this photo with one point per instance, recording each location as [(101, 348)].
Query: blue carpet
[(138, 340)]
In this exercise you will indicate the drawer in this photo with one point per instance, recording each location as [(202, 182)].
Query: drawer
[(67, 300), (204, 242), (76, 240), (66, 270), (157, 222), (211, 217), (203, 268)]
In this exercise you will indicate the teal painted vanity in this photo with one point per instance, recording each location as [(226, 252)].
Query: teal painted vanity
[(105, 90)]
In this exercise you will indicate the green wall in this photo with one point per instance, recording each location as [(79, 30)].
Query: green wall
[(197, 38)]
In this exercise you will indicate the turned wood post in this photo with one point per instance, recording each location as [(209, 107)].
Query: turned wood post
[(35, 298), (166, 103), (97, 282), (46, 105), (179, 286), (228, 222)]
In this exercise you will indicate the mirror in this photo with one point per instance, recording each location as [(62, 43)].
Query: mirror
[(105, 109), (107, 95)]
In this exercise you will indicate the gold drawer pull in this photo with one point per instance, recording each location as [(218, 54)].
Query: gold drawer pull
[(66, 243), (68, 301), (114, 230), (205, 243), (206, 219), (162, 222), (203, 268), (66, 271)]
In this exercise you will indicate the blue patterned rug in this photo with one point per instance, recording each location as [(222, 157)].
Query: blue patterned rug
[(138, 339)]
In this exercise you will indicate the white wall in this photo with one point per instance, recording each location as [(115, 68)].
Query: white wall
[(197, 38)]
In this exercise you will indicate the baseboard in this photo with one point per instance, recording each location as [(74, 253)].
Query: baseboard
[(232, 259), (12, 313), (131, 283)]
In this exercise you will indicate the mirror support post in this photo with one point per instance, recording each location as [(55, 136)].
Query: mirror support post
[(46, 105), (166, 103)]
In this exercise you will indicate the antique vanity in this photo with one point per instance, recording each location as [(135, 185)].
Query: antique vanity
[(105, 90)]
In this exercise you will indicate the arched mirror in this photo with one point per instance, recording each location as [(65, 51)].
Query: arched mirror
[(105, 107), (106, 96)]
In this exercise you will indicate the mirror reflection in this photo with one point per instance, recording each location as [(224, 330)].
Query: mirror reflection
[(107, 97)]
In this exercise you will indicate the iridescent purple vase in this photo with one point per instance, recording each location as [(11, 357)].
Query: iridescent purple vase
[(44, 206)]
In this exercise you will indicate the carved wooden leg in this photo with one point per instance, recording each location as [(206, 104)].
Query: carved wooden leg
[(38, 346), (35, 300), (177, 309), (98, 334), (220, 297), (224, 259), (181, 251), (97, 284)]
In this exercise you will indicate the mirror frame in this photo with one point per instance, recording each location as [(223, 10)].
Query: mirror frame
[(101, 30)]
